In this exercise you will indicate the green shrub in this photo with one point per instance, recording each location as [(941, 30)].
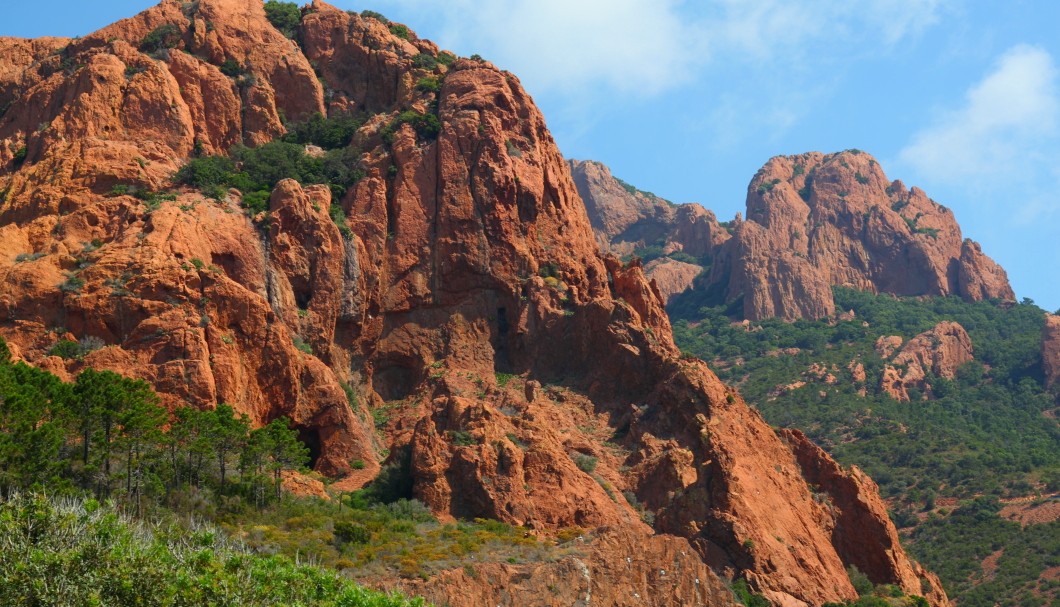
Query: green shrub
[(302, 346), (162, 37), (429, 84), (233, 68), (400, 31), (585, 463), (328, 132), (284, 16), (377, 16), (66, 349), (20, 156), (72, 284), (462, 438), (425, 61), (746, 596), (427, 126)]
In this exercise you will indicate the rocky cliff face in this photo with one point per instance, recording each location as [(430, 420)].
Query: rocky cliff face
[(1051, 349), (526, 378), (813, 221), (627, 221), (934, 353)]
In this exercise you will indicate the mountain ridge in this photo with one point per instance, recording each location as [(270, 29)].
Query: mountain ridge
[(463, 256), (813, 221)]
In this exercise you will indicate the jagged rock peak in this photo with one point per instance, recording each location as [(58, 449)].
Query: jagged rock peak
[(465, 296), (817, 220), (628, 221)]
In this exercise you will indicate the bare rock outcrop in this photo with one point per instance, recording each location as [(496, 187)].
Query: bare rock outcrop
[(934, 353), (1051, 350), (815, 220), (467, 260), (671, 276), (626, 220)]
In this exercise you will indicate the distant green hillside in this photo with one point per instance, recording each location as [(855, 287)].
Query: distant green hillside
[(989, 432)]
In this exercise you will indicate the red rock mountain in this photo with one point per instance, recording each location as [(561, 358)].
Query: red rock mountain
[(937, 353), (626, 220), (814, 221), (469, 259)]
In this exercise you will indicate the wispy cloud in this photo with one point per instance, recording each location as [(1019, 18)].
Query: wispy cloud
[(646, 47), (633, 47), (1006, 129)]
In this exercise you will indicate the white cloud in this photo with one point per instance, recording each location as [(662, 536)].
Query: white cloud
[(641, 48), (634, 47), (1006, 129)]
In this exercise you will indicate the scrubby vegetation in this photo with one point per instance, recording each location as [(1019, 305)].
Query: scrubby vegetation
[(106, 437), (956, 546), (986, 432), (256, 171), (160, 39), (284, 16), (70, 552)]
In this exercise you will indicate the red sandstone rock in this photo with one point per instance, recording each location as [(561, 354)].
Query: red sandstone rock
[(814, 221), (624, 219), (937, 352), (1051, 349), (467, 260), (672, 277)]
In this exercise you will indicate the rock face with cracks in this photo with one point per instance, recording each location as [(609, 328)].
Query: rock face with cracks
[(525, 377), (934, 353), (813, 221), (1051, 349), (816, 220)]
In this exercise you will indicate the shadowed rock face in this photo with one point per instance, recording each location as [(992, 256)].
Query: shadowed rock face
[(471, 258), (625, 220), (813, 221)]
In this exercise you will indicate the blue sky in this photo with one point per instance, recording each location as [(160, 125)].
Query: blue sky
[(689, 98)]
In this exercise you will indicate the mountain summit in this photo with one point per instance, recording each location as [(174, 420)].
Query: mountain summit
[(813, 221), (440, 279)]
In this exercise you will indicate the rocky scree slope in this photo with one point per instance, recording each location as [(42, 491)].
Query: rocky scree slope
[(469, 259), (813, 221)]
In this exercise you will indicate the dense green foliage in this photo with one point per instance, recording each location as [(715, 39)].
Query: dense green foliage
[(256, 171), (955, 546), (427, 126), (284, 16), (986, 432), (982, 432), (72, 553), (162, 37), (103, 433)]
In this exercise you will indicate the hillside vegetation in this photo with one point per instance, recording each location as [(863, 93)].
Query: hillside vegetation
[(69, 552), (988, 434)]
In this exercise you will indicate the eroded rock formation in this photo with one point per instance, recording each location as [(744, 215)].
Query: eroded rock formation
[(626, 220), (1051, 350), (467, 259), (813, 221), (934, 353)]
